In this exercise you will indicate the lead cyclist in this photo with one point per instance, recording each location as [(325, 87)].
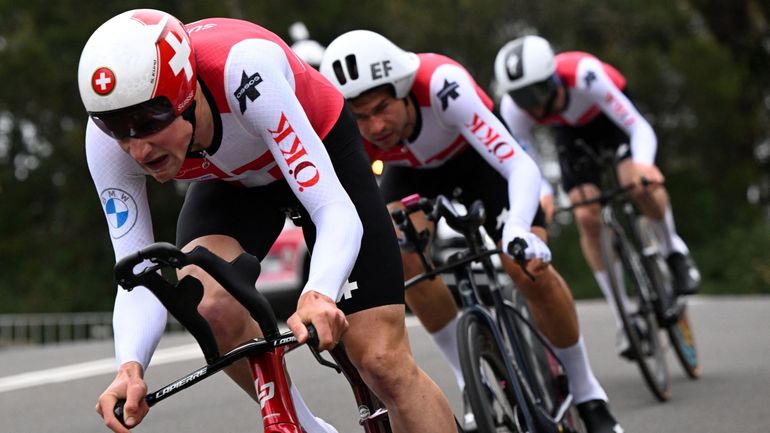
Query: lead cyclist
[(226, 105)]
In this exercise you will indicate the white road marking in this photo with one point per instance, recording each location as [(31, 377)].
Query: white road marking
[(107, 365)]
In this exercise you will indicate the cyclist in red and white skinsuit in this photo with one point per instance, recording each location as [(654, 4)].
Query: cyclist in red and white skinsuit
[(425, 117), (226, 105), (586, 101)]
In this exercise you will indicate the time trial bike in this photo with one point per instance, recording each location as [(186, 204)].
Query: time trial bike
[(514, 381), (642, 283), (265, 354)]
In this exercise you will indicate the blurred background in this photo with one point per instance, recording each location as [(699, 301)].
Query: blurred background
[(699, 71)]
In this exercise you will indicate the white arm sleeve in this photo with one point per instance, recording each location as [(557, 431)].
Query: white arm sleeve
[(620, 109), (491, 139), (138, 317), (277, 117), (520, 125)]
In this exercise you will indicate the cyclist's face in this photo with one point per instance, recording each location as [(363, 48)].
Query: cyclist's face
[(161, 154), (383, 119), (559, 102)]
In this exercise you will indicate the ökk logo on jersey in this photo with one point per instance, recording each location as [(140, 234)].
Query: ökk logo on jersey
[(302, 169), (490, 138), (120, 210)]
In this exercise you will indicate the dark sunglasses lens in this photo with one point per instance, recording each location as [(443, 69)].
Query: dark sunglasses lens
[(535, 95), (136, 121)]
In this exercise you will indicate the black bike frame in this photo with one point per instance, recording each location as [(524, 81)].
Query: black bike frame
[(498, 318)]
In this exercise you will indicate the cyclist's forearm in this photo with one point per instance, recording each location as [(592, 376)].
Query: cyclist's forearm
[(138, 323), (338, 240)]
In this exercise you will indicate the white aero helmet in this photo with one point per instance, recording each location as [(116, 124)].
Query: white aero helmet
[(137, 73), (524, 68), (361, 60), (310, 51)]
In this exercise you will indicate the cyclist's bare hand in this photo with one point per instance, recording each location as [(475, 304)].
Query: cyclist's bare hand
[(649, 172), (129, 385), (537, 267), (322, 312)]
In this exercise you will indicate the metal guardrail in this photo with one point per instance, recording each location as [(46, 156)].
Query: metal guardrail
[(54, 328)]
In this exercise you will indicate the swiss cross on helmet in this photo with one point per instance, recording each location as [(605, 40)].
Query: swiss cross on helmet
[(137, 73), (361, 60)]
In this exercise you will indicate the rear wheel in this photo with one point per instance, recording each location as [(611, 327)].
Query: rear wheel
[(630, 282), (679, 329), (683, 340), (489, 389)]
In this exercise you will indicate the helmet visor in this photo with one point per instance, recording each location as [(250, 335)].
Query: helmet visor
[(138, 120), (536, 95)]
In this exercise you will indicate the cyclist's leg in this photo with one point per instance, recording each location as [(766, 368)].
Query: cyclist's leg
[(214, 216), (588, 221), (655, 204), (580, 178), (553, 309), (376, 339), (431, 301), (382, 355)]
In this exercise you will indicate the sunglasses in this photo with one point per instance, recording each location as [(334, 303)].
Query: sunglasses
[(136, 121), (536, 95)]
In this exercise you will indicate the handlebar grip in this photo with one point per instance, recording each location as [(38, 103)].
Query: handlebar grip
[(516, 249), (118, 412), (312, 337)]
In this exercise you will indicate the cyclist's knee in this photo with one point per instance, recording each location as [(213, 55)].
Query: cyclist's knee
[(546, 286), (229, 321), (588, 221), (388, 371)]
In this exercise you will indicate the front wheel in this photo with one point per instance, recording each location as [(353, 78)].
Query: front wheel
[(546, 376), (490, 390), (632, 289)]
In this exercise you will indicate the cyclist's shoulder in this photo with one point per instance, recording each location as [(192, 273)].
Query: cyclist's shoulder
[(444, 84)]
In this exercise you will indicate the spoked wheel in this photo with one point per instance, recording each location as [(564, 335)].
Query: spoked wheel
[(638, 314), (490, 392), (548, 379)]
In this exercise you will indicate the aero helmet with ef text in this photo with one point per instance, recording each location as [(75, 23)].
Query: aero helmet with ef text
[(361, 60), (524, 68), (137, 73)]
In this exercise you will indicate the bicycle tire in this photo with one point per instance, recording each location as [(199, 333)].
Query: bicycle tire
[(487, 384), (680, 332), (683, 341), (650, 357), (549, 379)]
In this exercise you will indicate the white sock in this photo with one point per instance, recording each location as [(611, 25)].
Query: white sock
[(309, 422), (446, 340), (665, 230), (582, 382), (603, 280)]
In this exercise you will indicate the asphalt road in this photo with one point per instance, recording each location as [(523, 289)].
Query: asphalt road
[(53, 389)]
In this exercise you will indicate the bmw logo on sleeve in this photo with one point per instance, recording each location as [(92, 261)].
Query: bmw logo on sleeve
[(120, 210)]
